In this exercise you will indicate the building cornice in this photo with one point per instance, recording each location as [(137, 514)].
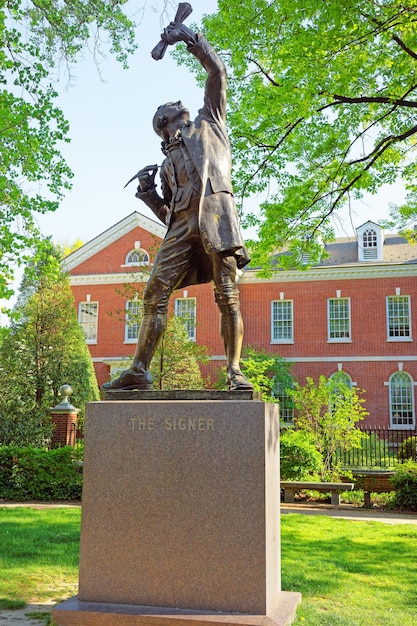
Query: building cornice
[(107, 279), (110, 235), (340, 272)]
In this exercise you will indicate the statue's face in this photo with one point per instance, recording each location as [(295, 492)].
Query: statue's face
[(175, 112)]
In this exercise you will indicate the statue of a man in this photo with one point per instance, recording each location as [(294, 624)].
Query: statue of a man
[(203, 242)]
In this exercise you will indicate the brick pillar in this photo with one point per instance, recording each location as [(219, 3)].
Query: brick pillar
[(64, 417)]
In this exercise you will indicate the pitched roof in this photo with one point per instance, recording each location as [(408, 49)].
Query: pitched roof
[(110, 235), (344, 251)]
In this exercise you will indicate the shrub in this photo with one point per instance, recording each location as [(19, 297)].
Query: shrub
[(39, 474), (298, 455), (405, 483), (408, 449)]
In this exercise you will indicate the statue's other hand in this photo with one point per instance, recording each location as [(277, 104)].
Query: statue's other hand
[(146, 177)]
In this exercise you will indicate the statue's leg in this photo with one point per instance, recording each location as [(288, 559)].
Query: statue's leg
[(226, 295), (153, 324)]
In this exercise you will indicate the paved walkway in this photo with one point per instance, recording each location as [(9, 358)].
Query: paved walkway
[(352, 513), (21, 617)]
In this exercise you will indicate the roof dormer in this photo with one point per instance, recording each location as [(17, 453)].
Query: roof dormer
[(370, 242)]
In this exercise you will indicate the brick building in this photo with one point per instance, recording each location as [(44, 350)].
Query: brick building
[(353, 314)]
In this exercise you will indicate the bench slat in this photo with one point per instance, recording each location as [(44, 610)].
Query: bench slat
[(290, 487), (316, 486)]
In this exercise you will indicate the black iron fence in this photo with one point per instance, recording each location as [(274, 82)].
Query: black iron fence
[(381, 448)]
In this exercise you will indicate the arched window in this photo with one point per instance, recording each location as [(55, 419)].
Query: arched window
[(341, 378), (370, 244), (339, 382), (137, 257), (401, 400)]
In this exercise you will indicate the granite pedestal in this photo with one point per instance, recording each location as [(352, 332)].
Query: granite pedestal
[(180, 516)]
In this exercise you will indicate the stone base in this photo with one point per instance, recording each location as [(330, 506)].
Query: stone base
[(75, 613), (180, 516)]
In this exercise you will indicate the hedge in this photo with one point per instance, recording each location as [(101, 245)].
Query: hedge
[(39, 474), (405, 484)]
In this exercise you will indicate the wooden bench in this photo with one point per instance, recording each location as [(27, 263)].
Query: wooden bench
[(373, 481), (290, 487)]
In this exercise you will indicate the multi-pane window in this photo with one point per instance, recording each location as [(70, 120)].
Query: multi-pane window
[(282, 321), (185, 308), (401, 399), (88, 319), (286, 403), (370, 244), (398, 317), (137, 257), (133, 314), (338, 319)]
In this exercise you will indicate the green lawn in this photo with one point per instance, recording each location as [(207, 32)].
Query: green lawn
[(350, 573), (38, 554)]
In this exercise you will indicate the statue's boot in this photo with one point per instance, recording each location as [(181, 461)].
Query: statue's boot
[(237, 381), (131, 379)]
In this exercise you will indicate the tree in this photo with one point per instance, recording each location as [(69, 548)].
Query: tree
[(43, 349), (37, 40), (329, 410), (321, 100), (268, 373), (176, 361)]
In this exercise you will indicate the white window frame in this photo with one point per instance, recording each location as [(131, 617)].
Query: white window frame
[(130, 261), (132, 329), (397, 328), (89, 324), (344, 377), (189, 315), (396, 418), (286, 321), (339, 338), (370, 244), (285, 402)]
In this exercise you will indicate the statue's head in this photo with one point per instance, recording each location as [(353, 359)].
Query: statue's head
[(168, 117)]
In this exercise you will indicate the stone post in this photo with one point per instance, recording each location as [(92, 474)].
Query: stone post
[(64, 416)]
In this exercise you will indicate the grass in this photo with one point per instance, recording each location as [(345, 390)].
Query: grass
[(38, 554), (350, 573)]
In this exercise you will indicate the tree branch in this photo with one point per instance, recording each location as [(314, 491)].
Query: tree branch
[(384, 144), (379, 99), (387, 27), (264, 72)]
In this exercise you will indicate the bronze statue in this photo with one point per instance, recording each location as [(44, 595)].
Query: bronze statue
[(203, 242)]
